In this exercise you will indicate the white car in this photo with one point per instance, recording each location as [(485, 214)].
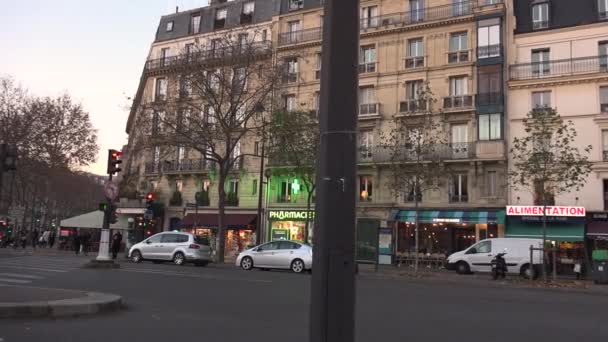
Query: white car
[(282, 254), (172, 246), (478, 258)]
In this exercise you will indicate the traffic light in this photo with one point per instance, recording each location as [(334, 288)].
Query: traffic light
[(114, 161), (149, 200), (103, 207), (8, 157), (112, 214)]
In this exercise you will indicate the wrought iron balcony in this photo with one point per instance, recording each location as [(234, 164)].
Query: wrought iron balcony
[(368, 109), (367, 67), (487, 51), (413, 62), (208, 55), (461, 56), (463, 198), (412, 106), (440, 152), (179, 166), (459, 101), (559, 68), (300, 36)]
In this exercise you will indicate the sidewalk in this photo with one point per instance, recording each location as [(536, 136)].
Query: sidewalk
[(36, 302)]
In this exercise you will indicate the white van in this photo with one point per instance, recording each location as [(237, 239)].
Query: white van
[(478, 257)]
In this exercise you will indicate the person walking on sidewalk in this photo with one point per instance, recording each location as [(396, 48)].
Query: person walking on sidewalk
[(84, 240), (116, 241), (23, 239), (35, 237), (76, 243), (51, 239)]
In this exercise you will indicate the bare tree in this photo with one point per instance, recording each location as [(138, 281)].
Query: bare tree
[(294, 144), (413, 149), (546, 160), (221, 93)]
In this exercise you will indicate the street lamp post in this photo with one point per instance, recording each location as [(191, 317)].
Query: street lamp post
[(332, 314)]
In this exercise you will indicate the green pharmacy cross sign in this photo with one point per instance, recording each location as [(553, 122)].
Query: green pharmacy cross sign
[(291, 215)]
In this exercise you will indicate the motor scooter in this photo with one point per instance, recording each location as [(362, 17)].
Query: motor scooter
[(499, 266)]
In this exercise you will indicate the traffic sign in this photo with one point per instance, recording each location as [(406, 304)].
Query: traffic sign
[(111, 190)]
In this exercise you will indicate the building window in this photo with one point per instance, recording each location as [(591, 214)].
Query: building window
[(369, 17), (367, 62), (316, 103), (540, 16), (160, 93), (489, 85), (488, 38), (412, 93), (285, 193), (294, 32), (539, 193), (291, 70), (164, 56), (459, 47), (247, 14), (602, 48), (605, 194), (179, 185), (366, 144), (602, 7), (290, 103), (318, 66), (604, 99), (365, 188), (416, 10), (169, 27), (490, 127), (220, 18), (413, 194), (459, 188), (254, 187), (458, 86), (195, 24), (460, 7), (233, 186), (367, 101), (540, 62), (296, 4), (491, 184), (185, 87), (415, 53), (605, 144), (541, 99)]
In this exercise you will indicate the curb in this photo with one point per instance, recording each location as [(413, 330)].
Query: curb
[(92, 303)]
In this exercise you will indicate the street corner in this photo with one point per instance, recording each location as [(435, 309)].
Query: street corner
[(25, 302)]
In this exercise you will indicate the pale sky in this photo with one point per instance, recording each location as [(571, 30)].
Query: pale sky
[(95, 50)]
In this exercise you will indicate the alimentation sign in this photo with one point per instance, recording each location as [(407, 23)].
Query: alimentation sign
[(537, 210), (290, 215)]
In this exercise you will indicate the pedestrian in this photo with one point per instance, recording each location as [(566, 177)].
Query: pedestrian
[(116, 240), (578, 269), (51, 239), (76, 243), (23, 239), (35, 238), (84, 240)]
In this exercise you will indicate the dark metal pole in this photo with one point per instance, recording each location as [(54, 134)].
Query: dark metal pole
[(332, 310), (258, 236)]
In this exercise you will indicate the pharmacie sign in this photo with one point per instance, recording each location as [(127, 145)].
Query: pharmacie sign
[(537, 210), (291, 215)]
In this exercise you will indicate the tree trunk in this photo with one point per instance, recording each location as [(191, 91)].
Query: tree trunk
[(544, 270), (416, 234), (221, 232), (308, 203)]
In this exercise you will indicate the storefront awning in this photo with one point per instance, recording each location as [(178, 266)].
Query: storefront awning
[(232, 221), (452, 216), (555, 232)]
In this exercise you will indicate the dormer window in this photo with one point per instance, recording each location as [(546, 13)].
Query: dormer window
[(247, 15), (540, 15), (296, 4), (169, 27), (220, 18)]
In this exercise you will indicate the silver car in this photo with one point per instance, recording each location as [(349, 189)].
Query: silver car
[(172, 246), (291, 255)]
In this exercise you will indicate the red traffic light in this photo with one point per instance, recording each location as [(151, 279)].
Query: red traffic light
[(116, 154), (150, 196)]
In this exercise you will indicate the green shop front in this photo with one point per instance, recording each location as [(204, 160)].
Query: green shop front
[(290, 224), (565, 231), (447, 231)]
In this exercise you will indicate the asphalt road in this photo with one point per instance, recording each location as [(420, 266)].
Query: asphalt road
[(171, 303)]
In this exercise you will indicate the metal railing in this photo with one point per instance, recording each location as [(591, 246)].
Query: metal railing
[(487, 51), (557, 68), (459, 198), (539, 25), (368, 109), (367, 67), (485, 99), (390, 154), (300, 36), (198, 57), (413, 62), (461, 56), (460, 101), (178, 166), (410, 106)]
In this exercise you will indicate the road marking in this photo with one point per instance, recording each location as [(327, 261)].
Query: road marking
[(15, 281), (190, 275), (32, 268), (15, 275)]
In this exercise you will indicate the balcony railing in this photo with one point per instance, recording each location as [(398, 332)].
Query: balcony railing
[(367, 67), (195, 58), (463, 198), (558, 68), (368, 109), (179, 166), (539, 25), (486, 99), (385, 154), (411, 106), (301, 36), (460, 101), (461, 56), (414, 62), (399, 18), (487, 51)]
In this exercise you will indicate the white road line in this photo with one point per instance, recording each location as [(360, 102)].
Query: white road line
[(190, 275), (26, 276), (33, 268), (15, 281), (41, 265)]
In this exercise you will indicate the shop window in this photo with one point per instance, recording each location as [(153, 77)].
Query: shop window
[(365, 188)]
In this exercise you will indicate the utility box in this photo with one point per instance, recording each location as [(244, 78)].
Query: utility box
[(600, 272)]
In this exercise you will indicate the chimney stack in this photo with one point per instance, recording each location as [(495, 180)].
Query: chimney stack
[(176, 9)]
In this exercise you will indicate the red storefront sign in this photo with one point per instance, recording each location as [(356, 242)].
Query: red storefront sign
[(537, 210)]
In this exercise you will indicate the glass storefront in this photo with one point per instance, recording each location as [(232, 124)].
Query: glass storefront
[(236, 240), (290, 225)]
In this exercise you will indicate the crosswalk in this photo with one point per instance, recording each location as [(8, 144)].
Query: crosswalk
[(23, 270)]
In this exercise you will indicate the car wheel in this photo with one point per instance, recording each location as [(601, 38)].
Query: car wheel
[(247, 263), (201, 263), (179, 258), (527, 272), (297, 266), (136, 257), (462, 268)]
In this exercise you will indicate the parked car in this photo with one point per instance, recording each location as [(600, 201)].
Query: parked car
[(172, 246), (282, 254), (478, 258)]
